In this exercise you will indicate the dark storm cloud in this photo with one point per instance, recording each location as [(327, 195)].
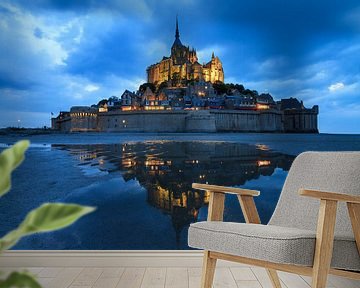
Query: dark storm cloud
[(292, 29), (261, 28), (6, 82), (115, 52), (126, 7), (285, 20)]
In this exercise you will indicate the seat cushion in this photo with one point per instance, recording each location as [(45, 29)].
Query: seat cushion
[(270, 243)]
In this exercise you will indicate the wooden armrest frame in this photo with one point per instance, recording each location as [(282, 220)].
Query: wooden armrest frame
[(330, 196), (217, 197), (223, 189), (326, 228), (352, 202), (216, 213)]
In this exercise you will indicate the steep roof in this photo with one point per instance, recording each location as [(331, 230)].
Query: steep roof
[(291, 103), (196, 63), (177, 43)]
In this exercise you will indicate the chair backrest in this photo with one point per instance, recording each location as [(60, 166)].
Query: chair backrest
[(325, 171)]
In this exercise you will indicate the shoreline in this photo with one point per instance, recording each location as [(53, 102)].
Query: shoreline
[(9, 131), (48, 131), (28, 131)]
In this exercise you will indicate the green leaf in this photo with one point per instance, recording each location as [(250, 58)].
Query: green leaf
[(9, 159), (20, 280), (51, 216), (48, 217), (10, 239)]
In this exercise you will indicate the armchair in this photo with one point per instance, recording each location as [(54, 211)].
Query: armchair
[(312, 232)]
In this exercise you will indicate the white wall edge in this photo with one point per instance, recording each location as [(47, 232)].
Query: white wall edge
[(104, 258)]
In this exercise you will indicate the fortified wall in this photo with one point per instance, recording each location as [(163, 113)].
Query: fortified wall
[(190, 121), (82, 119), (142, 121), (79, 119), (248, 121), (303, 121)]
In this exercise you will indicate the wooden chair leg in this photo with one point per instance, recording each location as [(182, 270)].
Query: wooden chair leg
[(274, 278), (324, 243), (354, 212), (215, 213), (208, 270)]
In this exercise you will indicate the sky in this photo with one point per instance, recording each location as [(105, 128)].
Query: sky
[(57, 54)]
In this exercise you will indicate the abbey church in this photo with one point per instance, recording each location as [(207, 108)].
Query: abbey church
[(183, 66)]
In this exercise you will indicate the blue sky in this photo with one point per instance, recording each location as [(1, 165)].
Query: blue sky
[(57, 54)]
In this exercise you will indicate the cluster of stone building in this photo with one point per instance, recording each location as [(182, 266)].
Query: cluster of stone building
[(180, 96), (182, 66), (196, 96)]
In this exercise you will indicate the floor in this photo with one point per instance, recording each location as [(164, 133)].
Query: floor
[(167, 277)]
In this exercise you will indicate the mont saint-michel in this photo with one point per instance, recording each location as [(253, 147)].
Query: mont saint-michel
[(182, 95)]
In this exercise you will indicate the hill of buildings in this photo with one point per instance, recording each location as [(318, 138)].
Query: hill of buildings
[(182, 95)]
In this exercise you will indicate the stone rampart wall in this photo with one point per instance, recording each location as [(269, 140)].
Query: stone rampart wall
[(194, 121), (301, 121), (149, 121), (248, 121), (84, 123), (191, 121)]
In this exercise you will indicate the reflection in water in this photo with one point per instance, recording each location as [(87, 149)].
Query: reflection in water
[(166, 169)]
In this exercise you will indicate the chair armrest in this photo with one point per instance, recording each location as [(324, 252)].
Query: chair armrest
[(323, 195), (327, 219), (223, 189), (217, 197)]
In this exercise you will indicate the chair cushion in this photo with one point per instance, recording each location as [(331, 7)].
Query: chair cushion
[(270, 243)]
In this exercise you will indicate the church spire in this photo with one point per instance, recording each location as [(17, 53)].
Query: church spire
[(177, 42), (177, 34)]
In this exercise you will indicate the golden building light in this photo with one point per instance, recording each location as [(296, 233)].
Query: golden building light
[(261, 163), (262, 106)]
